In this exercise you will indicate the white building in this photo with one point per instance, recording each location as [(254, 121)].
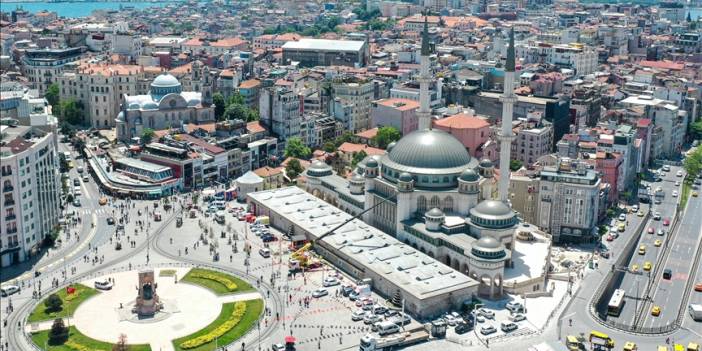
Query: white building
[(30, 182), (279, 108), (667, 116), (581, 58), (352, 103)]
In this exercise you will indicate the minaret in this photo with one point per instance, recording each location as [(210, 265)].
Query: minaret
[(508, 99), (424, 111)]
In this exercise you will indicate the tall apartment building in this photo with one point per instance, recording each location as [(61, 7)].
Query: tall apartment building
[(524, 196), (280, 112), (30, 183), (352, 103), (587, 103), (534, 137), (43, 67), (668, 118), (578, 57), (569, 198), (101, 88)]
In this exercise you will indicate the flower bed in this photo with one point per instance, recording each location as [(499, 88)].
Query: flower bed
[(219, 278), (220, 283), (233, 320)]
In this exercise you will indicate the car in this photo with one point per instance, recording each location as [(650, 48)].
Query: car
[(610, 237), (462, 328), (675, 193), (266, 238), (698, 287), (658, 243), (358, 315), (695, 194), (371, 318), (487, 329), (667, 273), (640, 213), (677, 183), (666, 222), (76, 203), (450, 320), (330, 281), (657, 202), (604, 254), (514, 307), (278, 347), (647, 266), (651, 230), (660, 232), (353, 296), (508, 327), (346, 290), (76, 181), (622, 217), (656, 311), (517, 317), (657, 216), (110, 220), (634, 268), (320, 292), (9, 290), (480, 319), (103, 284), (666, 168), (400, 319), (679, 174), (487, 313), (86, 178), (379, 310), (635, 208), (642, 250)]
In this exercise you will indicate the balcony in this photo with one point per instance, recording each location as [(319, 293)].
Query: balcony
[(9, 202), (10, 217), (11, 230), (7, 188)]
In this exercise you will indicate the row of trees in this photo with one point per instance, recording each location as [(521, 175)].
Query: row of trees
[(68, 111), (233, 108), (323, 25)]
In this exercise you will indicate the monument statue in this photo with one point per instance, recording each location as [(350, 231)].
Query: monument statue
[(147, 301)]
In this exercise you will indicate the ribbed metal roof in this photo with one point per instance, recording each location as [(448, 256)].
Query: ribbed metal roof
[(429, 149), (492, 209)]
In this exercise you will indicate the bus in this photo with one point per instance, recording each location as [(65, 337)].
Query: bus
[(616, 303), (602, 339)]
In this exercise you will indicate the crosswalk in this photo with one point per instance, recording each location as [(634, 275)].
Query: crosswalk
[(100, 212)]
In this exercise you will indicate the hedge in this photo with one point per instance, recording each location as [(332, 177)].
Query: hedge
[(233, 320)]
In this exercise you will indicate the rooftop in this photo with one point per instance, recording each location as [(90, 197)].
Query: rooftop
[(324, 45)]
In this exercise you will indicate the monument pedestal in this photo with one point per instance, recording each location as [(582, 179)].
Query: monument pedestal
[(147, 301)]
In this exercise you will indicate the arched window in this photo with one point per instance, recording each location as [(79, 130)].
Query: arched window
[(435, 202), (448, 204), (422, 204)]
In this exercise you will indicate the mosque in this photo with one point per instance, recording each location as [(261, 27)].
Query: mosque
[(428, 192)]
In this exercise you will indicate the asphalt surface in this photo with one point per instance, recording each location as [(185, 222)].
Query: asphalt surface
[(635, 283), (668, 294)]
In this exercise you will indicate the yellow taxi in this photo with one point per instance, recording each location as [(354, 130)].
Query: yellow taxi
[(693, 346), (695, 194), (635, 268), (657, 243), (642, 250), (656, 311), (630, 346), (647, 266), (662, 348)]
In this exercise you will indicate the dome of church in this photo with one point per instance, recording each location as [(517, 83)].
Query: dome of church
[(165, 80), (469, 175), (493, 214), (428, 149)]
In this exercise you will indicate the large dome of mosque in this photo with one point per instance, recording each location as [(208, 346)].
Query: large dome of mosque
[(430, 149)]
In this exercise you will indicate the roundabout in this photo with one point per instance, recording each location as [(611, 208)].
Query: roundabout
[(195, 311)]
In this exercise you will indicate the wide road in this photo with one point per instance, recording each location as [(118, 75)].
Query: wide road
[(634, 283), (668, 294)]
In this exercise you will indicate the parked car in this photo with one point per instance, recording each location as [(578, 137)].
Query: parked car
[(358, 315), (675, 193), (330, 281), (371, 318), (379, 309), (346, 290), (103, 284), (666, 222), (514, 307), (508, 327), (660, 232), (463, 328), (517, 317), (487, 329), (400, 319), (487, 313), (9, 290), (450, 320), (622, 217), (651, 230), (320, 292)]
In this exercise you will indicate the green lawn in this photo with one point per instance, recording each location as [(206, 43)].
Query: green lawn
[(253, 311), (686, 191), (167, 273), (41, 338), (40, 313), (212, 284)]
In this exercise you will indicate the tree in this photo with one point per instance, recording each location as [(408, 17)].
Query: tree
[(385, 136), (53, 303), (70, 111), (52, 94), (358, 157), (121, 344), (296, 148), (329, 146), (237, 111), (147, 135), (515, 165), (58, 333), (696, 129), (220, 105), (693, 162), (293, 168), (236, 99)]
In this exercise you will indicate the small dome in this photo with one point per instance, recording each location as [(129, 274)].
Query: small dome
[(469, 175), (492, 208), (319, 169), (120, 117), (485, 163), (134, 106), (372, 163), (390, 146), (405, 177), (357, 178), (487, 242), (165, 80), (193, 102), (150, 106), (434, 212)]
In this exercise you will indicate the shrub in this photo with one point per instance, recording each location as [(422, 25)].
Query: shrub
[(222, 279), (58, 333), (233, 320), (53, 303), (79, 347)]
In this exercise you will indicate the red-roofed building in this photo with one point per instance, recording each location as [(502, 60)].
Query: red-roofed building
[(665, 64), (273, 177), (473, 132), (395, 112), (215, 48), (346, 151)]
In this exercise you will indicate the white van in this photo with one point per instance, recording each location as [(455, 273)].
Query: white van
[(219, 217), (386, 327), (508, 327), (264, 252)]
